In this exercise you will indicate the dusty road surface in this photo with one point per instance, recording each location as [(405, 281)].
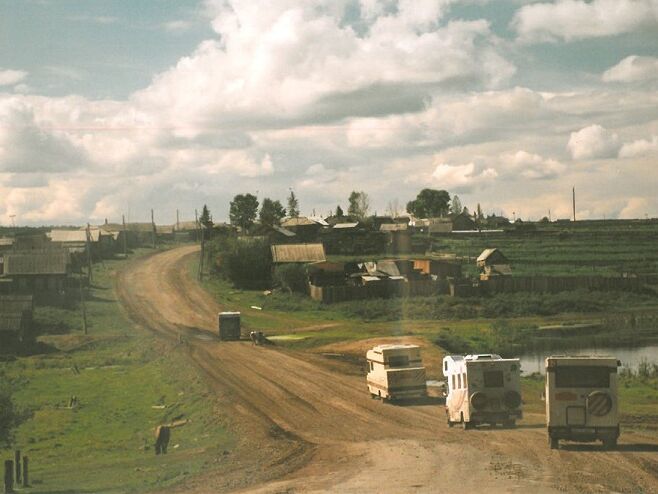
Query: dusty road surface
[(307, 424)]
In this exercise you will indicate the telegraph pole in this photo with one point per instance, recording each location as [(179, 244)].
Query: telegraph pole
[(153, 225), (125, 235), (88, 244), (573, 197)]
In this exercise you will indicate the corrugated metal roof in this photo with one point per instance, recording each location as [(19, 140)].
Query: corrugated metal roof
[(298, 253), (55, 261), (393, 227), (345, 226)]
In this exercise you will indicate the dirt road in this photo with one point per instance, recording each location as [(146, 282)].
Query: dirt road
[(306, 424)]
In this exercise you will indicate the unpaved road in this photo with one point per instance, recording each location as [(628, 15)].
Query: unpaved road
[(307, 424)]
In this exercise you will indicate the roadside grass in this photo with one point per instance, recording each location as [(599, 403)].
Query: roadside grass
[(127, 382)]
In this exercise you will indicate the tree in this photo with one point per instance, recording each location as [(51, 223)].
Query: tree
[(359, 204), (478, 212), (456, 206), (271, 212), (10, 416), (393, 208), (429, 203), (243, 210), (339, 212), (205, 219), (293, 205)]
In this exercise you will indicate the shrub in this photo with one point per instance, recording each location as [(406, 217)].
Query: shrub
[(291, 278), (247, 263)]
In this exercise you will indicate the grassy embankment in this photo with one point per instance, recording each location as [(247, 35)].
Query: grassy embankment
[(127, 382)]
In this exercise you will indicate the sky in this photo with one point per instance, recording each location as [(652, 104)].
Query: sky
[(112, 107)]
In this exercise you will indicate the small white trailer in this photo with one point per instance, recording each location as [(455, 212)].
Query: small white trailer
[(396, 372), (482, 389), (581, 399)]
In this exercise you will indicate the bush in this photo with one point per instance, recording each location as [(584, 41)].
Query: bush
[(246, 263), (292, 278)]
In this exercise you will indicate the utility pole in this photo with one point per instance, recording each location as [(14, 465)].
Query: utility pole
[(177, 221), (83, 306), (573, 196), (88, 236), (125, 236), (203, 253), (153, 225)]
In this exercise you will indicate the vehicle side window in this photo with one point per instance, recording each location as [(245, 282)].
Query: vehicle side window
[(464, 380), (459, 380), (454, 381)]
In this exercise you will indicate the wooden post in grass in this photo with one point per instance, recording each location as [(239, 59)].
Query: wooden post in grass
[(17, 464), (9, 476), (26, 481)]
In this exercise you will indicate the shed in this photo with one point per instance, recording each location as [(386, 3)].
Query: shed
[(490, 257), (297, 253)]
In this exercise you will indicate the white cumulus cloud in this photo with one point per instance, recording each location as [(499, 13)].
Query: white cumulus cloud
[(641, 147), (9, 77), (633, 69), (593, 142), (569, 20)]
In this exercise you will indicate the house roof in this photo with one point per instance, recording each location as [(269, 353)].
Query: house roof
[(319, 220), (388, 267), (6, 241), (299, 221), (74, 236), (345, 226), (283, 231), (298, 253), (393, 227), (487, 253), (53, 261)]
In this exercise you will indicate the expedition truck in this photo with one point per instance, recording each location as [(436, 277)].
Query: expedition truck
[(482, 389), (396, 372), (581, 399)]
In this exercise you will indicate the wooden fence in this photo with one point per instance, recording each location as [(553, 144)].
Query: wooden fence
[(342, 293), (553, 284)]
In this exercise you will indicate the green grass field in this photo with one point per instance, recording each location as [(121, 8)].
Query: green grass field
[(127, 382)]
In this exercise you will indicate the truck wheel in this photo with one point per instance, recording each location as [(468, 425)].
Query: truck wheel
[(553, 442), (466, 425)]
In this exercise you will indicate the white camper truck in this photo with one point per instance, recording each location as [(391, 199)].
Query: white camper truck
[(482, 389), (396, 372), (581, 399)]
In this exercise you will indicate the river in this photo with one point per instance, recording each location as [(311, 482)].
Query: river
[(630, 357)]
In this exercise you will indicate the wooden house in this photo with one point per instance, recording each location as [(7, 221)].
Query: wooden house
[(492, 262), (44, 271), (16, 327), (304, 228)]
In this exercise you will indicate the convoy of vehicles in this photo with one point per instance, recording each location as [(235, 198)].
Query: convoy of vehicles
[(581, 391), (396, 372), (482, 389), (581, 399)]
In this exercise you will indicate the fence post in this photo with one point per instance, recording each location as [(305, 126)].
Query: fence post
[(9, 476), (17, 464), (26, 481)]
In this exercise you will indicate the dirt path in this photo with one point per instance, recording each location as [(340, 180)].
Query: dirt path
[(307, 426)]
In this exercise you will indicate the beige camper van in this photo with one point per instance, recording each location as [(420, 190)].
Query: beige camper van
[(396, 372), (482, 389), (581, 399)]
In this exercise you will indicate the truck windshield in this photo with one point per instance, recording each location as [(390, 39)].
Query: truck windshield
[(582, 377)]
